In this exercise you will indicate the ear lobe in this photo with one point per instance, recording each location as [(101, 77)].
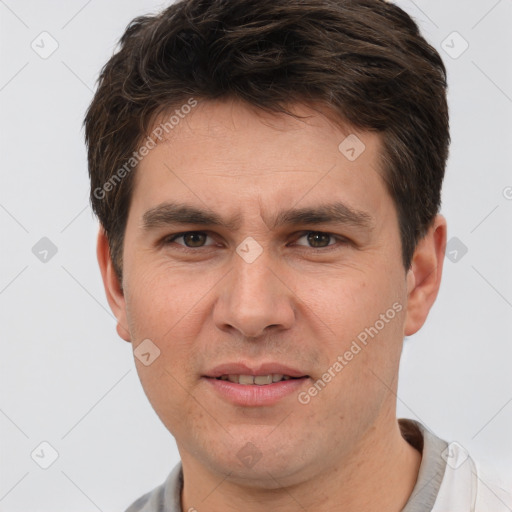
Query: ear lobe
[(113, 289), (424, 276)]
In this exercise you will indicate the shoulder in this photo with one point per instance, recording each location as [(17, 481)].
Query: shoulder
[(469, 486), (150, 502), (458, 483), (492, 491), (164, 498)]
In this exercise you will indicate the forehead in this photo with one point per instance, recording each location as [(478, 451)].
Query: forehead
[(227, 155), (225, 122)]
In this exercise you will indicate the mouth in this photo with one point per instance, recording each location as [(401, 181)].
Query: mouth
[(257, 380), (248, 384), (255, 390)]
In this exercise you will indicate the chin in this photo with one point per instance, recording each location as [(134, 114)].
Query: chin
[(248, 465)]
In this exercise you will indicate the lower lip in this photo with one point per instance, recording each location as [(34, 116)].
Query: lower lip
[(254, 395)]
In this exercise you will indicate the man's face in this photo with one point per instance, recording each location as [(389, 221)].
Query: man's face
[(298, 291)]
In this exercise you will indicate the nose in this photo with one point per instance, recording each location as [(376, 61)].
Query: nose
[(254, 298)]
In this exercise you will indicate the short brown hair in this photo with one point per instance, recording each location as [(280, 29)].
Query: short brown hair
[(363, 59)]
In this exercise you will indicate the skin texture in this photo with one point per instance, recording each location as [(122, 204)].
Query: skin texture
[(299, 303)]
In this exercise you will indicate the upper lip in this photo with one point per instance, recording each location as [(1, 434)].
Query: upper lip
[(261, 369)]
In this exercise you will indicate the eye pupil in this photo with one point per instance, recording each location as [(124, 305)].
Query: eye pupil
[(314, 237), (187, 237)]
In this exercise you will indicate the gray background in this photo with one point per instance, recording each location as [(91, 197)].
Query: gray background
[(65, 376)]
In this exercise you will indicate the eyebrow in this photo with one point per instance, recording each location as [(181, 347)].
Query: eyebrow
[(179, 213)]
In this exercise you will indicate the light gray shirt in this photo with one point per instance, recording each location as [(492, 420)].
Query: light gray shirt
[(167, 497)]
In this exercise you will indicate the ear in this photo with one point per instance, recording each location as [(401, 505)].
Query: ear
[(424, 276), (113, 289)]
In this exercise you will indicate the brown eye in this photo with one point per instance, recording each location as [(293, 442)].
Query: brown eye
[(194, 239), (318, 239), (191, 239)]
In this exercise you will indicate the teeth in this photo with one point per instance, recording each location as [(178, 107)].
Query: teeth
[(259, 380), (263, 379), (245, 379)]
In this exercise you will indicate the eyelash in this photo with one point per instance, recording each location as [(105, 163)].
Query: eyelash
[(169, 239)]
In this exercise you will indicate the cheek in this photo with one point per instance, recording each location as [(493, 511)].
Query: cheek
[(168, 392), (365, 317), (160, 307), (344, 305), (159, 301)]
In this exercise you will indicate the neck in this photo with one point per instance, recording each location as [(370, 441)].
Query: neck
[(379, 474)]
